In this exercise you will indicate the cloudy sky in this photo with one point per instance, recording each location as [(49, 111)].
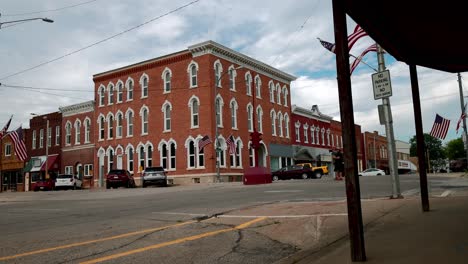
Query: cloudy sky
[(280, 33)]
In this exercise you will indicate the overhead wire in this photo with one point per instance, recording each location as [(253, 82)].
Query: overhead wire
[(101, 41), (50, 10)]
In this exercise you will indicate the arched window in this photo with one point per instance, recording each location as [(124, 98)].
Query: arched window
[(130, 158), (306, 133), (110, 88), (87, 125), (251, 157), (280, 124), (328, 137), (191, 154), (144, 120), (193, 71), (323, 136), (221, 152), (77, 132), (119, 92), (286, 125), (101, 95), (119, 125), (194, 104), (271, 87), (218, 69), (110, 161), (110, 126), (144, 86), (317, 131), (101, 127), (141, 156), (68, 128), (278, 97), (273, 122), (172, 154), (258, 87), (167, 76), (149, 156), (130, 116), (260, 119), (166, 109), (248, 83), (234, 108), (129, 89), (164, 156), (219, 111), (285, 94), (297, 125), (312, 134), (232, 78), (249, 117)]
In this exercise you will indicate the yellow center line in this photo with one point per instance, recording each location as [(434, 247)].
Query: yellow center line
[(94, 241), (173, 242)]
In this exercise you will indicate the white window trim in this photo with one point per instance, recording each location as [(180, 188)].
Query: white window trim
[(258, 92), (141, 86), (143, 133), (127, 85), (278, 95), (109, 116), (218, 82), (101, 120), (285, 94), (280, 124), (298, 132), (130, 149), (259, 118), (190, 105), (163, 77), (222, 147), (273, 122), (163, 110), (250, 115), (110, 90), (248, 83), (102, 95), (87, 130), (120, 91), (286, 125), (8, 146), (232, 71), (189, 68), (68, 132), (119, 125), (271, 88), (306, 133), (34, 140), (41, 138), (57, 135), (77, 132), (221, 106), (130, 111), (234, 107)]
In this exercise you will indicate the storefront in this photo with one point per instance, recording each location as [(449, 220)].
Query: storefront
[(36, 167), (280, 156), (316, 156)]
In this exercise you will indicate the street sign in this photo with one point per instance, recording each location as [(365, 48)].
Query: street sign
[(382, 84)]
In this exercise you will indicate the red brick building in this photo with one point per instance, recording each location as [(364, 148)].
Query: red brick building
[(78, 151), (155, 112), (41, 143), (375, 151), (315, 133), (11, 168)]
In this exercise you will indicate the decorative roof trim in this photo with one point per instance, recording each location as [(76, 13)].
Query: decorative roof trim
[(311, 114), (75, 109), (211, 47)]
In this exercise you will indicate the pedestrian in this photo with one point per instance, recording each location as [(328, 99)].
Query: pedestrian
[(339, 164)]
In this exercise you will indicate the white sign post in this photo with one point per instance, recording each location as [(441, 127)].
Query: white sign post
[(382, 85)]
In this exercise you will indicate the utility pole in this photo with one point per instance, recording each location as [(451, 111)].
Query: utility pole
[(462, 105), (392, 159)]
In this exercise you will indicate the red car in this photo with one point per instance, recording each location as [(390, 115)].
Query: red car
[(44, 185), (117, 178)]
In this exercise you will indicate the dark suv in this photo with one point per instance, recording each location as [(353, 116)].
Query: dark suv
[(292, 172), (117, 178), (154, 175)]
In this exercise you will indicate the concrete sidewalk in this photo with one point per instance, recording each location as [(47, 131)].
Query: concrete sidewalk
[(404, 235)]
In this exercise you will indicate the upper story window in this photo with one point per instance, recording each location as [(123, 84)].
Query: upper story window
[(248, 84), (194, 104), (280, 124), (49, 136), (144, 120), (273, 122), (7, 150), (234, 108), (271, 87), (41, 138), (232, 78), (298, 133), (119, 125), (119, 92), (167, 76), (101, 121), (87, 127), (258, 87), (68, 128), (77, 131), (278, 97), (144, 85), (129, 116), (101, 93), (167, 109), (110, 97), (286, 125), (218, 70), (110, 126), (192, 70), (250, 117), (57, 135), (34, 139), (219, 111), (285, 95), (260, 119), (306, 133), (129, 86)]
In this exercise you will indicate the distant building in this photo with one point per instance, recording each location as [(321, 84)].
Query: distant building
[(375, 151), (11, 168)]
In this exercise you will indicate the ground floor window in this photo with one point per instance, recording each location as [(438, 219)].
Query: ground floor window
[(68, 169), (277, 163), (88, 170)]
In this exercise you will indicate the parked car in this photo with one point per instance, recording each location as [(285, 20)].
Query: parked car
[(44, 185), (154, 175), (292, 172), (372, 172), (68, 181), (117, 178)]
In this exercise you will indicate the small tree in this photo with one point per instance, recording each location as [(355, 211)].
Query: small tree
[(455, 149), (433, 147)]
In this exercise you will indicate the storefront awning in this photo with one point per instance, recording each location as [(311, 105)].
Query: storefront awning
[(38, 163), (52, 162)]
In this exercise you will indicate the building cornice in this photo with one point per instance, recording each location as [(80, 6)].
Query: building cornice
[(74, 148), (216, 49), (311, 114), (75, 109)]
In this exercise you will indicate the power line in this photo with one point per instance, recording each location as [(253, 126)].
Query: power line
[(53, 94), (40, 88), (50, 10), (101, 41)]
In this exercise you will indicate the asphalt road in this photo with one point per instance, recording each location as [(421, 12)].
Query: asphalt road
[(167, 225)]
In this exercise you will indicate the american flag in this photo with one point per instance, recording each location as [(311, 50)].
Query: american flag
[(355, 63), (440, 127), (5, 128), (232, 144), (352, 39), (20, 147), (462, 116), (203, 142)]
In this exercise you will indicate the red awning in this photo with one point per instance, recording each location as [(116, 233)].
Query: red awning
[(52, 161)]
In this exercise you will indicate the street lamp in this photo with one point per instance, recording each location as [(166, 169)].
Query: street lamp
[(217, 146), (47, 145), (45, 19)]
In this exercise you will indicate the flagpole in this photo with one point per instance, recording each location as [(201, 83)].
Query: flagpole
[(460, 86), (351, 55)]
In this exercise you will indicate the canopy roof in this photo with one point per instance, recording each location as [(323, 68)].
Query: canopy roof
[(432, 34)]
